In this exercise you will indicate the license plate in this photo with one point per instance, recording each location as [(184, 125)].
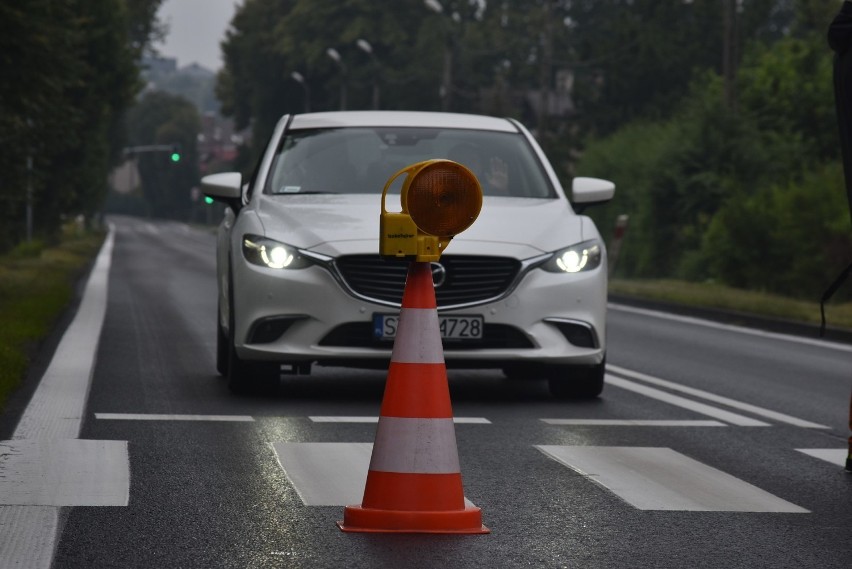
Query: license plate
[(452, 327)]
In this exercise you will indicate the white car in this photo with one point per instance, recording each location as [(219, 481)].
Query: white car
[(301, 282)]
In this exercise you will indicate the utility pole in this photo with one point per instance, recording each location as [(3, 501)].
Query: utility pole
[(545, 69), (29, 197), (365, 46), (729, 52)]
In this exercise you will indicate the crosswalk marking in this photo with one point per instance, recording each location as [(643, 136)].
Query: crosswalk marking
[(351, 419), (163, 417), (327, 474), (334, 474), (663, 479), (64, 472), (695, 406), (833, 455), (635, 422)]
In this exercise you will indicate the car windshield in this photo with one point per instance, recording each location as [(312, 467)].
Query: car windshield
[(361, 160)]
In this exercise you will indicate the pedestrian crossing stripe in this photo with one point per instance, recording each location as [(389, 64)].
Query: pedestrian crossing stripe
[(327, 474), (64, 472), (835, 456), (650, 478), (333, 474)]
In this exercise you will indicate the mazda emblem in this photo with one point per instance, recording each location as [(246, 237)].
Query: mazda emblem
[(439, 274)]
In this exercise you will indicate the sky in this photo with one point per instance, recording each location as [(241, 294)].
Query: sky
[(196, 27)]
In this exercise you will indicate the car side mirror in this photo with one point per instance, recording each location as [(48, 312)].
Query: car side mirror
[(225, 187), (590, 191)]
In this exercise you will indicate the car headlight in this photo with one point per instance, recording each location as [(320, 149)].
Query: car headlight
[(273, 254), (584, 256)]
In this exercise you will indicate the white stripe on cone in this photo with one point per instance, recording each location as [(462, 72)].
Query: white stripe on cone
[(418, 339), (415, 446)]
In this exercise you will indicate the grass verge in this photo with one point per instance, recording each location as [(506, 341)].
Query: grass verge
[(710, 295), (36, 285)]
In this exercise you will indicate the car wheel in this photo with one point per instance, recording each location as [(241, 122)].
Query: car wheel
[(245, 377), (577, 382), (221, 348), (250, 378)]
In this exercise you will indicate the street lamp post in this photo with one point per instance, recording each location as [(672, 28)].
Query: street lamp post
[(365, 46), (447, 78), (298, 78), (335, 56)]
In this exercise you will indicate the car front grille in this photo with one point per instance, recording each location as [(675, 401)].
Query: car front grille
[(468, 279)]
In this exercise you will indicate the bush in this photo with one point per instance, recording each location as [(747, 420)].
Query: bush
[(790, 239), (27, 249)]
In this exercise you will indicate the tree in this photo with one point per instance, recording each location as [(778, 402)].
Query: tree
[(163, 119), (69, 71)]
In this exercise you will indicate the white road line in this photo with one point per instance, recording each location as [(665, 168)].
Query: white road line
[(157, 417), (55, 412), (833, 455), (695, 406), (28, 536), (731, 328), (351, 419), (68, 472), (56, 408), (769, 414), (327, 474), (634, 422), (663, 479)]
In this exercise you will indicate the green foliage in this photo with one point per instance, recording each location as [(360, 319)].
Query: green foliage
[(632, 158), (751, 197), (791, 238), (69, 71), (27, 249), (637, 59), (787, 88), (34, 291)]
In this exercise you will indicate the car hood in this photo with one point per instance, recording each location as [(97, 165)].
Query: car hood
[(336, 224)]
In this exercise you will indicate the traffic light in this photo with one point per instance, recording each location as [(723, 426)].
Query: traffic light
[(175, 153)]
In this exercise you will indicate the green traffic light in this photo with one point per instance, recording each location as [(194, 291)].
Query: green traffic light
[(208, 200), (175, 157)]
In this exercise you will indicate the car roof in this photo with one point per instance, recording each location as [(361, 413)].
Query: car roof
[(400, 119)]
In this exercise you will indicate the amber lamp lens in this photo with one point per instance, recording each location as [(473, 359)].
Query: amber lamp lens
[(444, 199)]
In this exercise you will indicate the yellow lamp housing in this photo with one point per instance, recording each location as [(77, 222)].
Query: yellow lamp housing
[(440, 199)]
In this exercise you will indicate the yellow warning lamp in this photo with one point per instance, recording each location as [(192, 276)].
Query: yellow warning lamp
[(440, 199)]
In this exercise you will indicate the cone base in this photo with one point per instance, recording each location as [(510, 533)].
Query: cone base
[(371, 520)]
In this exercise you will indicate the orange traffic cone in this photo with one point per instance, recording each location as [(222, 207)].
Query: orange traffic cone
[(414, 482)]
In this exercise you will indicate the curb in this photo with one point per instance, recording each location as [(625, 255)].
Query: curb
[(737, 318)]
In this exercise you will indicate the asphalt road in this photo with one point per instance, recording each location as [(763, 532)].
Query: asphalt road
[(692, 457)]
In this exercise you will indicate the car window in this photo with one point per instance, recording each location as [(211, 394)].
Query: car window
[(361, 160)]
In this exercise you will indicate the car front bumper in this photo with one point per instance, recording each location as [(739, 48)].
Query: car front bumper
[(544, 309)]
